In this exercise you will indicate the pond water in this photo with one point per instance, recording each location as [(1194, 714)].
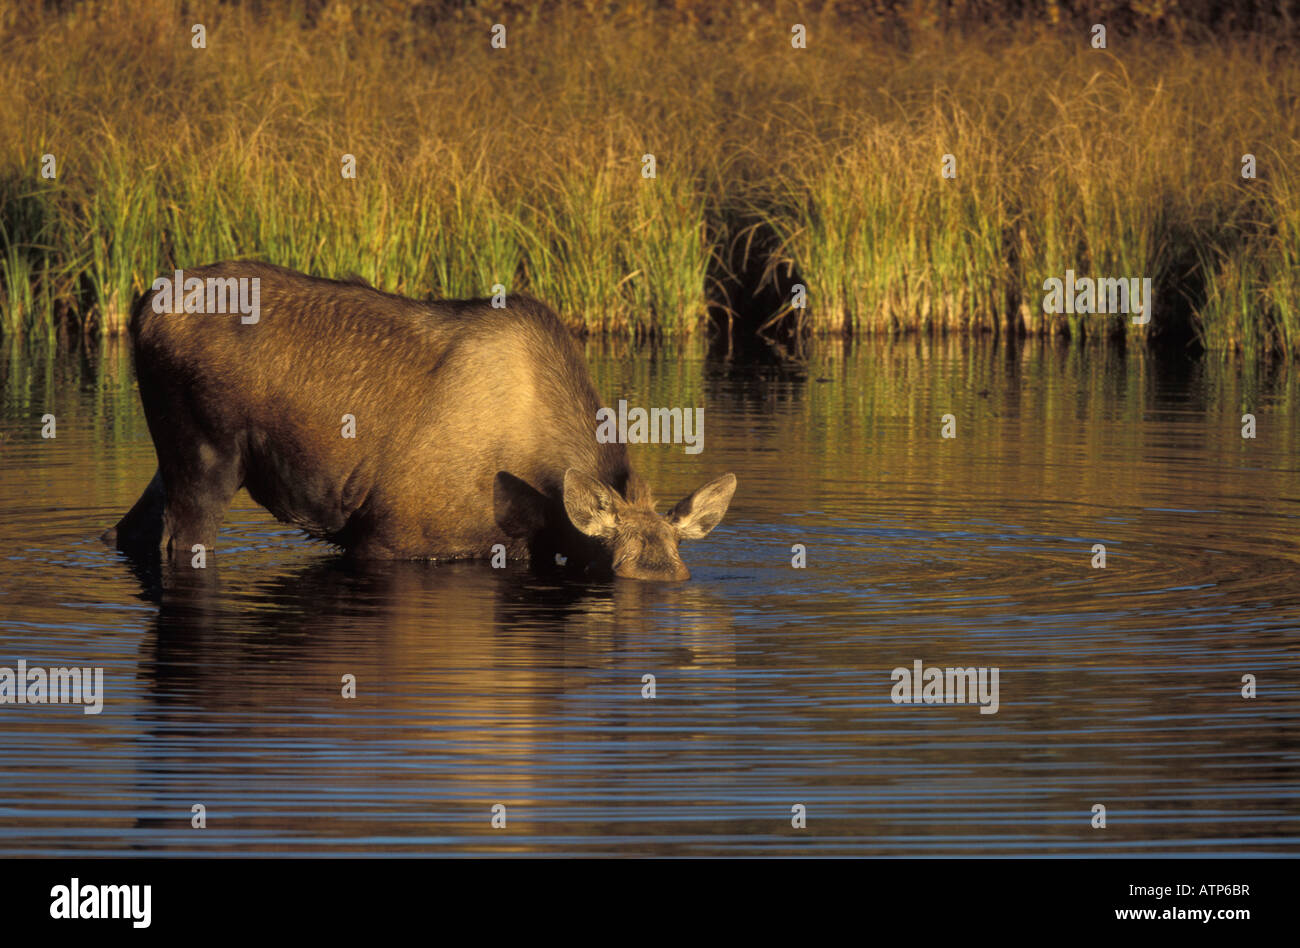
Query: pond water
[(1119, 686)]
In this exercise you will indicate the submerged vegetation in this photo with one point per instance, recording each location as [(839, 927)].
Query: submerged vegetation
[(773, 166)]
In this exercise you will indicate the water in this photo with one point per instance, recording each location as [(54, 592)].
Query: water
[(1118, 686)]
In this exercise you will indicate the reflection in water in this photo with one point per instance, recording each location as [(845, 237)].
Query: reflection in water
[(477, 686), (451, 664)]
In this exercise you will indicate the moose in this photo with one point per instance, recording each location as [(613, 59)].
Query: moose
[(390, 427)]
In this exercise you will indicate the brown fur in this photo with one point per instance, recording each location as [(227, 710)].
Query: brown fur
[(467, 420)]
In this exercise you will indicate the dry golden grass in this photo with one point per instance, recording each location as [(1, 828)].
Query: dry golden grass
[(523, 166)]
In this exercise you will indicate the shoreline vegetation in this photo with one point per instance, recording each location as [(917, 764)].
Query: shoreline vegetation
[(774, 166)]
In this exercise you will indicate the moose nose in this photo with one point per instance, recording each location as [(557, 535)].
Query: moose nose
[(675, 573)]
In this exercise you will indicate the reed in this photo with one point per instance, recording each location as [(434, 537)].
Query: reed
[(523, 167)]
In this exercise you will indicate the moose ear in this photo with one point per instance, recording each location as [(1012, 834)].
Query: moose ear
[(591, 505), (694, 516), (519, 508)]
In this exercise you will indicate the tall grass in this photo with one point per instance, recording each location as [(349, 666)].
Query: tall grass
[(523, 167)]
